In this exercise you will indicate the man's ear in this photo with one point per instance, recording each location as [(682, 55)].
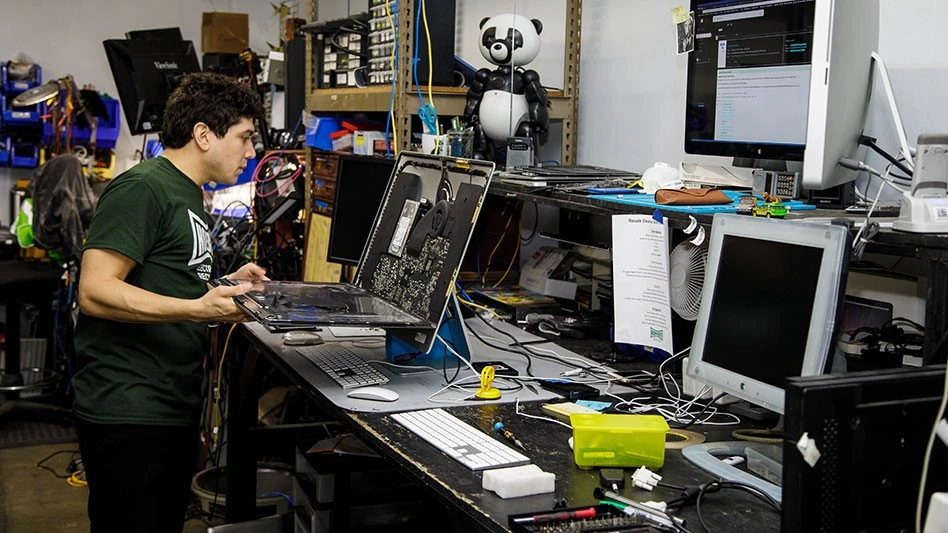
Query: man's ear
[(201, 134)]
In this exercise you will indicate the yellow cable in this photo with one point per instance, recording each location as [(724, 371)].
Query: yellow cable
[(424, 17), (496, 246), (478, 306), (75, 480), (513, 258), (391, 24), (220, 371)]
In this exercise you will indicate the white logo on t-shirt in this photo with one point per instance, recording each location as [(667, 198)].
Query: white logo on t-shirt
[(200, 238)]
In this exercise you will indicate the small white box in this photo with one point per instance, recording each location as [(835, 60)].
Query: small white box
[(546, 262)]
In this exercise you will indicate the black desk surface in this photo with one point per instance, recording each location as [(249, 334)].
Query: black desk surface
[(546, 445)]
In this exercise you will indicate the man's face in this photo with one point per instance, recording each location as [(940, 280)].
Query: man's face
[(228, 155)]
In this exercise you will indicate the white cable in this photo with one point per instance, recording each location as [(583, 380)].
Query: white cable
[(940, 414), (894, 109), (535, 417), (456, 354)]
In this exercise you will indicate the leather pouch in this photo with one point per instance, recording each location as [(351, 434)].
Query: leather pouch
[(691, 197)]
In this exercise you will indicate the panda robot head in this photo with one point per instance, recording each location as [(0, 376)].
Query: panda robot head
[(510, 39), (508, 101)]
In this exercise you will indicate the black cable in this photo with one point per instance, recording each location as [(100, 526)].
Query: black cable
[(536, 224), (40, 463), (871, 143), (716, 485)]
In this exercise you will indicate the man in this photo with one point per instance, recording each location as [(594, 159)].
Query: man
[(144, 308)]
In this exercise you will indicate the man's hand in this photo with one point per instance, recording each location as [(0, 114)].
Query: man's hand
[(218, 304), (249, 272)]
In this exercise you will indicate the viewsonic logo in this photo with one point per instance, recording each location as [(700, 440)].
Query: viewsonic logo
[(166, 65)]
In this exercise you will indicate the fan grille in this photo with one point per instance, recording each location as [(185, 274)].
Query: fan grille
[(686, 278)]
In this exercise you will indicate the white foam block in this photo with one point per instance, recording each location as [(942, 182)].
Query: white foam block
[(516, 481)]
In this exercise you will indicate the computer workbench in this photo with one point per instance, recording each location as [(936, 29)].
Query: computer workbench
[(458, 489)]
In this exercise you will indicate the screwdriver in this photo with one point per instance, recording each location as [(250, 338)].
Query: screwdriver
[(507, 434)]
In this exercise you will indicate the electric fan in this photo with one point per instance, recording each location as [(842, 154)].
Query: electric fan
[(686, 278)]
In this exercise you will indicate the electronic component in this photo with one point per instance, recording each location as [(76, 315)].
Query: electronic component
[(569, 389), (519, 152), (405, 221), (786, 185)]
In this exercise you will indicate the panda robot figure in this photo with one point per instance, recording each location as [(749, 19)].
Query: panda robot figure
[(507, 101)]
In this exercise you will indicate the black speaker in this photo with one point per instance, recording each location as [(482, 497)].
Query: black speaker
[(294, 68)]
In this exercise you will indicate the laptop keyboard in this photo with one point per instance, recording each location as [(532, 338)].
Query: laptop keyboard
[(341, 364)]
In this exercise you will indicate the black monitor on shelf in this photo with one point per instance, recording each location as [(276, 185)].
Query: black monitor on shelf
[(361, 182), (145, 73), (167, 34)]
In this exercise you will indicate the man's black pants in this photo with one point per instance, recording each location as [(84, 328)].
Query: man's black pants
[(139, 476)]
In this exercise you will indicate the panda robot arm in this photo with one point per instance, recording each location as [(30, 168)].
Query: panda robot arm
[(507, 101)]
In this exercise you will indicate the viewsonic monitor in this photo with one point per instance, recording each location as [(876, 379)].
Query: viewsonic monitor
[(145, 73), (785, 81)]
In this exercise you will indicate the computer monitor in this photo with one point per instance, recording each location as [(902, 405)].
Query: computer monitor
[(769, 307), (361, 182), (168, 34), (785, 81), (145, 73)]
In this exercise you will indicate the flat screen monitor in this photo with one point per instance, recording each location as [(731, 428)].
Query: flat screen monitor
[(786, 81), (145, 73), (361, 182), (769, 307), (168, 34)]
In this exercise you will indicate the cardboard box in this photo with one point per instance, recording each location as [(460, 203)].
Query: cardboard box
[(225, 32)]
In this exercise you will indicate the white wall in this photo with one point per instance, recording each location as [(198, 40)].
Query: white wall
[(632, 81)]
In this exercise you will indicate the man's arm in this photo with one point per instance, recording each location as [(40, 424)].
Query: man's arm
[(103, 293)]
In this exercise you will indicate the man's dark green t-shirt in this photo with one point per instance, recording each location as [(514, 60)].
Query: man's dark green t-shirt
[(147, 373)]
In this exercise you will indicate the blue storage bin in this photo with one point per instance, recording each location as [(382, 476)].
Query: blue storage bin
[(24, 155), (10, 86), (4, 152), (18, 116), (107, 130), (318, 137)]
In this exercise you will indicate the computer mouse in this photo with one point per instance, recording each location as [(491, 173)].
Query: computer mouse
[(302, 338), (378, 394)]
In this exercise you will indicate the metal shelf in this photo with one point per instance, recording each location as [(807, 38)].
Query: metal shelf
[(449, 101)]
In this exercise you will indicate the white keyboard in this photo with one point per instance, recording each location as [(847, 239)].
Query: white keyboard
[(461, 441), (343, 366)]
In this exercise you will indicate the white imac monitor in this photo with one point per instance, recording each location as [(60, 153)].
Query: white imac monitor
[(770, 305), (771, 82)]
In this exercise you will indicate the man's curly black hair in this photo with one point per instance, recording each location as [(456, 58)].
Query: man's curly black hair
[(216, 100)]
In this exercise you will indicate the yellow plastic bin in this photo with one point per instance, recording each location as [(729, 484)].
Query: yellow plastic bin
[(618, 440)]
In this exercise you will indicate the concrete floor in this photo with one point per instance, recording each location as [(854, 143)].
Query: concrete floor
[(33, 500)]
